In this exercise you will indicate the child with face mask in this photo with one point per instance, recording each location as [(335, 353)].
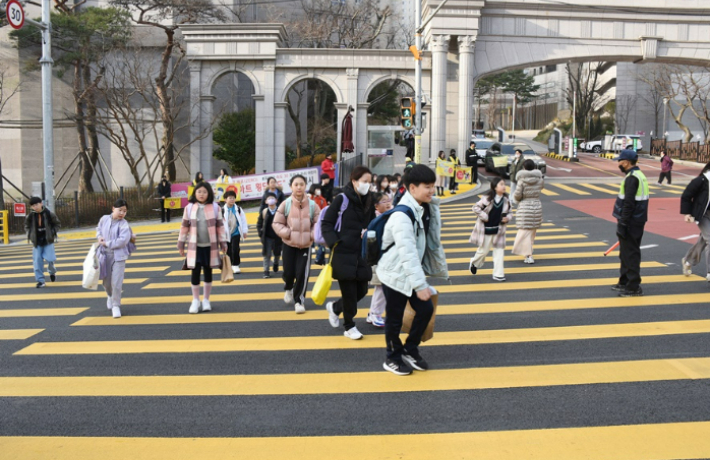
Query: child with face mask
[(345, 241), (383, 203), (271, 243)]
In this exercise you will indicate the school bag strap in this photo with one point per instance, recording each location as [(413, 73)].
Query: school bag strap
[(372, 250)]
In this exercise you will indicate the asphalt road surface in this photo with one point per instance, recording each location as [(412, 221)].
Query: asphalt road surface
[(548, 365)]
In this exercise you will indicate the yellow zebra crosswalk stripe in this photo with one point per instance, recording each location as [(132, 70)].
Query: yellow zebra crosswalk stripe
[(360, 382), (599, 189), (60, 284), (31, 312), (667, 441), (80, 272), (18, 334), (548, 192), (567, 188)]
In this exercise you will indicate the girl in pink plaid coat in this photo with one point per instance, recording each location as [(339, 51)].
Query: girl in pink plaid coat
[(202, 234)]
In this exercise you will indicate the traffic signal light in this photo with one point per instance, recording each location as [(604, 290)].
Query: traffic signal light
[(408, 110)]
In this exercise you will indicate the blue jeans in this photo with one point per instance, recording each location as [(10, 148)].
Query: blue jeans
[(320, 254), (39, 255)]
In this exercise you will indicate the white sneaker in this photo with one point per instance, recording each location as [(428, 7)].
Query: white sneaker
[(194, 306), (353, 334), (529, 260), (375, 320), (687, 268), (116, 311), (332, 317), (708, 277), (109, 304), (206, 305), (300, 308), (236, 270), (288, 297)]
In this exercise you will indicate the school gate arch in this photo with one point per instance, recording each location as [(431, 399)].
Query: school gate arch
[(466, 40)]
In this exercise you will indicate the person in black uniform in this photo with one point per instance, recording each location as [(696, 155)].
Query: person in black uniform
[(164, 191), (472, 161), (631, 212)]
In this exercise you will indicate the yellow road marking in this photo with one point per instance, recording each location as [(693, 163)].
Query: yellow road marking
[(599, 189), (549, 256), (538, 238), (470, 223), (667, 441), (445, 235), (360, 382), (31, 312), (586, 244), (59, 284), (569, 189), (460, 309), (80, 272), (18, 334), (547, 192), (452, 273)]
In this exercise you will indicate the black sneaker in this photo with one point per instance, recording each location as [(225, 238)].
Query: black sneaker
[(267, 275), (53, 277), (416, 361), (276, 268), (397, 368), (618, 287), (40, 285), (472, 268), (631, 293)]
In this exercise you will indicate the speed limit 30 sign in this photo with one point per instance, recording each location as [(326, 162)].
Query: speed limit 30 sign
[(15, 14)]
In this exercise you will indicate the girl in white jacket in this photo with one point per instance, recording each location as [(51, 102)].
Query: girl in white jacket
[(235, 227)]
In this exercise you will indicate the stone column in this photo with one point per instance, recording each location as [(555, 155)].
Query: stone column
[(439, 45), (361, 134), (195, 108), (260, 164), (206, 146), (267, 120), (352, 102), (280, 136), (466, 45)]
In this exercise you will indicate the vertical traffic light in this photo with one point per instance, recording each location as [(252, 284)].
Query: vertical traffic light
[(408, 110)]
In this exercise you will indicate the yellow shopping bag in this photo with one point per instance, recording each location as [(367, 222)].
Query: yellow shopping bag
[(323, 283)]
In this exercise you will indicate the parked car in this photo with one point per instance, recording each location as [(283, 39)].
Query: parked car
[(609, 142), (478, 134), (499, 149)]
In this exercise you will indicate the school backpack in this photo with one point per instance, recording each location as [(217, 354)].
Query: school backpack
[(318, 233), (311, 207), (372, 250)]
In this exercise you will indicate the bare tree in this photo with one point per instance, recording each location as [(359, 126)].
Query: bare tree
[(10, 85), (625, 105), (670, 81), (584, 85), (132, 119), (333, 24), (239, 10), (168, 16), (653, 96)]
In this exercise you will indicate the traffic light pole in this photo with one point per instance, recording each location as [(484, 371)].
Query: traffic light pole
[(47, 116)]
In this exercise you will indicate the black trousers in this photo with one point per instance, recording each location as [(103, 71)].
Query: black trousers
[(352, 291), (396, 304), (630, 256), (667, 175), (164, 213), (233, 250), (452, 183), (195, 277), (297, 269)]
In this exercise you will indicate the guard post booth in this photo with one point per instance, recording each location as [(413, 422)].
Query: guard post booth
[(384, 153)]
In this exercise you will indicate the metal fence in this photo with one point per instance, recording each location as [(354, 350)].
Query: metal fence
[(345, 168), (689, 151), (88, 208)]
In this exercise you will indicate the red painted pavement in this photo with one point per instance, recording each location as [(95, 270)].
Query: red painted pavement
[(594, 166), (664, 216)]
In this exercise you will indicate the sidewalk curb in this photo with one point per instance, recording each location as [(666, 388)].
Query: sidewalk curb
[(562, 157), (468, 194)]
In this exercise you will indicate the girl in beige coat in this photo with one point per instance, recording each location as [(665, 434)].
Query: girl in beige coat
[(529, 213), (293, 223)]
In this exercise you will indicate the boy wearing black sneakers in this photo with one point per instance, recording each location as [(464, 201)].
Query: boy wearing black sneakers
[(411, 252)]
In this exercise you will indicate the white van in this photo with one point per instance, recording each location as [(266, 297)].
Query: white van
[(609, 143)]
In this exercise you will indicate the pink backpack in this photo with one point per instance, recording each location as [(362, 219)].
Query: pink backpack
[(318, 233)]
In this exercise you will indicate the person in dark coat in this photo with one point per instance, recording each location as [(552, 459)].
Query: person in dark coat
[(472, 161), (453, 158), (349, 268), (695, 206), (164, 191), (270, 241), (326, 185), (41, 226), (631, 212)]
